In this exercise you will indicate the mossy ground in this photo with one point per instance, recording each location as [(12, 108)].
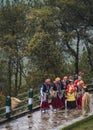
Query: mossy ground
[(85, 124)]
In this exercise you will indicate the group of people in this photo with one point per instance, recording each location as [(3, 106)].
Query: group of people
[(66, 92)]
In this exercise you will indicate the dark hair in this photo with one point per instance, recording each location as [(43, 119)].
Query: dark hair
[(86, 90), (70, 80)]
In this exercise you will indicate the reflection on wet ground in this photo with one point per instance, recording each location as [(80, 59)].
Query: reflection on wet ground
[(45, 121)]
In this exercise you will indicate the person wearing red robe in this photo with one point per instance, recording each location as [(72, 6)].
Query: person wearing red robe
[(77, 84), (57, 94)]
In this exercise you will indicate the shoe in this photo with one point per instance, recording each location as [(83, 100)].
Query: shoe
[(54, 110), (43, 111), (46, 111)]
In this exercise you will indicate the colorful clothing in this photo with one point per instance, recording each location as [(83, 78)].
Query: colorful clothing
[(45, 91), (79, 97), (57, 95), (77, 83), (71, 99)]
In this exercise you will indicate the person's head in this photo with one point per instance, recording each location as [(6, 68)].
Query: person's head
[(81, 82), (65, 78), (47, 81), (57, 80), (79, 78), (71, 81), (80, 73), (70, 77)]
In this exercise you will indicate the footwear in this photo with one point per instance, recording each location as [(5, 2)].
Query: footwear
[(63, 108), (43, 111), (54, 110), (46, 111)]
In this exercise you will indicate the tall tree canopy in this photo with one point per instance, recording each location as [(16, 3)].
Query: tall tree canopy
[(12, 40), (52, 35)]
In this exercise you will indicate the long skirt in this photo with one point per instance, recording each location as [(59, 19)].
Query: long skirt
[(79, 101), (56, 102), (63, 101), (71, 104), (44, 105)]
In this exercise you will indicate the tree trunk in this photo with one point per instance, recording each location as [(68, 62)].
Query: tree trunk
[(20, 75), (77, 53), (16, 79), (9, 76)]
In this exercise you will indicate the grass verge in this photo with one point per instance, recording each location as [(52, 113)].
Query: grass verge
[(84, 124)]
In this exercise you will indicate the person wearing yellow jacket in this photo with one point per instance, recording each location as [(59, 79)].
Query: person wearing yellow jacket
[(71, 98)]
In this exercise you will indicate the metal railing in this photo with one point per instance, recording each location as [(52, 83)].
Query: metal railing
[(29, 102)]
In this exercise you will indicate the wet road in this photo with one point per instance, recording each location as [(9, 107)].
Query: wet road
[(45, 121)]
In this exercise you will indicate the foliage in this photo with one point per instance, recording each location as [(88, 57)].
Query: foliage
[(84, 66), (13, 41), (45, 56), (74, 22), (43, 49), (44, 39), (2, 100)]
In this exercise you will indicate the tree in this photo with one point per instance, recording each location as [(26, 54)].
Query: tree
[(44, 51), (12, 40), (74, 21)]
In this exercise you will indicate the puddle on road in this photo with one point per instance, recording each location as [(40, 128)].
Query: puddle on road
[(44, 121)]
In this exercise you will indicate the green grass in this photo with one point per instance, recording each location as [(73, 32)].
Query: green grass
[(85, 124)]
